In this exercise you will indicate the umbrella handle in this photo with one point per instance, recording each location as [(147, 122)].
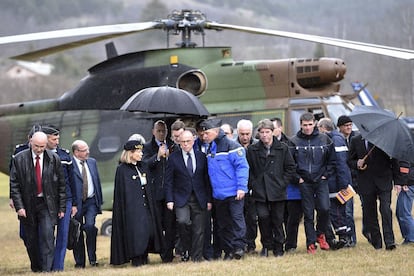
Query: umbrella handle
[(364, 167)]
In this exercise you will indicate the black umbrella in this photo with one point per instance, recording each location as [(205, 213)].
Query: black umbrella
[(165, 99), (384, 130)]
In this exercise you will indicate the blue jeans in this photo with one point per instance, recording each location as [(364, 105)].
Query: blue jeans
[(403, 212), (315, 196)]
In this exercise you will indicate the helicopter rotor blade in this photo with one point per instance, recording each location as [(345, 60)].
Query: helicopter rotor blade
[(365, 47), (35, 55), (105, 30), (102, 32)]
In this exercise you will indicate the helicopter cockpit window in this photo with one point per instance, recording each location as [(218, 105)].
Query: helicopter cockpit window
[(109, 144)]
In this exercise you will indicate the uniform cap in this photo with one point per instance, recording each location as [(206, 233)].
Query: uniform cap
[(133, 145), (210, 123), (50, 130)]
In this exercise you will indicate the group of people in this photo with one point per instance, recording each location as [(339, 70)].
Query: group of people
[(49, 187), (212, 193), (203, 195)]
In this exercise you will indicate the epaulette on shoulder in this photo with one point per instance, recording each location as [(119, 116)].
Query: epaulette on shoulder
[(65, 150), (63, 153), (20, 145)]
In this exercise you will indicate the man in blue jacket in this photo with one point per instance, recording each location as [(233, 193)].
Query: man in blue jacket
[(229, 172), (314, 154), (337, 182)]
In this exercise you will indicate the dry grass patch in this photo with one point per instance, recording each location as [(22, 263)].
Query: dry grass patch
[(361, 260)]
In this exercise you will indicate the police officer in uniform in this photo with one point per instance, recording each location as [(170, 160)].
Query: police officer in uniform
[(229, 172), (53, 136)]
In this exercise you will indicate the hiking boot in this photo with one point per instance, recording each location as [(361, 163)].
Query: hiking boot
[(311, 249), (322, 242)]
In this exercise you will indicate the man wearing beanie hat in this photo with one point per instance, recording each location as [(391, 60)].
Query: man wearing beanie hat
[(345, 128), (229, 173), (343, 119)]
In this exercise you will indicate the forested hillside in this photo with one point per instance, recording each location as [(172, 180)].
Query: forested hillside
[(374, 21)]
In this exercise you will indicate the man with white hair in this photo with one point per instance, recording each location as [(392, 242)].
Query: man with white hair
[(229, 172), (37, 188), (245, 138)]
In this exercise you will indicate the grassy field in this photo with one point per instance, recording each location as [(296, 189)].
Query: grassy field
[(361, 260)]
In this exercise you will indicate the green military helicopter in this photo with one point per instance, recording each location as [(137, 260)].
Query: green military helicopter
[(229, 89)]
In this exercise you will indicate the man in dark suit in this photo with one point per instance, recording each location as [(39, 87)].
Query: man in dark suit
[(37, 188), (156, 153), (187, 189), (271, 169), (375, 181), (89, 197)]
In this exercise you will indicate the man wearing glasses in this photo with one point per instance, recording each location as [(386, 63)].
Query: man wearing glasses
[(89, 197)]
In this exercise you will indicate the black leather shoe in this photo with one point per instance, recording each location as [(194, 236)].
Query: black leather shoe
[(278, 253), (390, 247), (238, 253), (250, 251), (336, 244), (94, 263), (185, 256), (228, 257), (79, 266), (264, 252)]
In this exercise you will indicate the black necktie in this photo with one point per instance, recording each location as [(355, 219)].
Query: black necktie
[(190, 163)]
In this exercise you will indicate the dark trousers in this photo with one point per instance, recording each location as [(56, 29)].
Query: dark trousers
[(87, 218), (270, 215), (208, 250), (231, 227), (62, 239), (337, 214), (349, 210), (169, 231), (40, 239), (315, 196), (212, 248), (370, 215), (191, 220), (338, 220), (250, 217), (293, 215)]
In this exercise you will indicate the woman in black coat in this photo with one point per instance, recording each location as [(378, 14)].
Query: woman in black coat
[(135, 228)]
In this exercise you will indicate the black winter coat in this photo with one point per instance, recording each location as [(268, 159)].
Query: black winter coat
[(136, 228), (270, 175), (23, 185), (156, 167)]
